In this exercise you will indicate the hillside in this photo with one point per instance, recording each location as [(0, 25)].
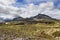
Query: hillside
[(34, 28), (29, 31), (39, 17)]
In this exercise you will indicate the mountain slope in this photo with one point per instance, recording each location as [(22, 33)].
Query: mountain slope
[(18, 19), (1, 19), (41, 17)]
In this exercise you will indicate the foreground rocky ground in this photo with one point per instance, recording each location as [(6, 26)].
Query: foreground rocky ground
[(39, 31)]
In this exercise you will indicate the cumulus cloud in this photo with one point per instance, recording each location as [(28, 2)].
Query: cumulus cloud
[(32, 10), (7, 10), (43, 8), (7, 2)]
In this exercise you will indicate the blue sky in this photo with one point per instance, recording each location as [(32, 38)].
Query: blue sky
[(28, 8), (37, 2), (27, 2)]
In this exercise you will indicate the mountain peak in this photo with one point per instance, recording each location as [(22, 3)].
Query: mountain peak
[(42, 16), (35, 18)]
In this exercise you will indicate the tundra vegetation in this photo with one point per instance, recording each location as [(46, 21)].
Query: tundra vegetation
[(30, 30)]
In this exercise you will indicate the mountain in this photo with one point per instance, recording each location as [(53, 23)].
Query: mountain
[(41, 17), (18, 18), (34, 18), (7, 20), (1, 20)]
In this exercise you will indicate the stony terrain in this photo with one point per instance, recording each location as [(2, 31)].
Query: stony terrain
[(29, 31)]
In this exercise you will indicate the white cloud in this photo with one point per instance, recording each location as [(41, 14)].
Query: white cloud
[(7, 10), (7, 2), (43, 8), (55, 13), (32, 10)]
